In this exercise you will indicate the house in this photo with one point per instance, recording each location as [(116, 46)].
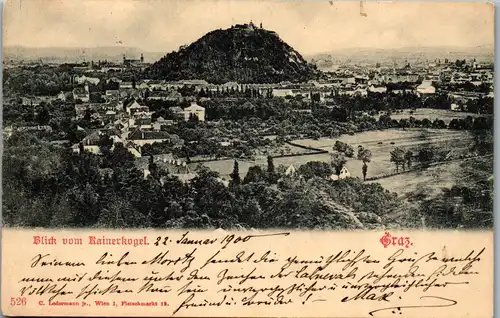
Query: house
[(81, 93), (109, 115), (126, 85), (160, 95), (174, 97), (84, 79), (61, 96), (344, 173), (134, 152), (142, 85), (195, 110), (361, 92), (166, 162), (89, 143), (133, 62), (36, 100), (134, 107), (80, 110), (144, 137), (8, 131), (161, 122), (290, 171), (130, 93), (157, 85), (112, 94), (34, 128), (377, 89), (142, 118), (282, 92), (426, 88), (402, 78)]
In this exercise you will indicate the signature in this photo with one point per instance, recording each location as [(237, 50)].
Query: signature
[(449, 303)]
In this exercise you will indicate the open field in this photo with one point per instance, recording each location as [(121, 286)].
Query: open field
[(429, 181), (381, 143), (225, 167), (431, 114), (285, 149)]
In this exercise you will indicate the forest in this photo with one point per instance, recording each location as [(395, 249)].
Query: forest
[(49, 186)]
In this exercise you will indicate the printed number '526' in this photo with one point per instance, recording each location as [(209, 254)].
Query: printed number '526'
[(18, 301)]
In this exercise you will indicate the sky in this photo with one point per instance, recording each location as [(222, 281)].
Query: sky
[(308, 26)]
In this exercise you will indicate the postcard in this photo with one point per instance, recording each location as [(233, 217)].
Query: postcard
[(223, 158)]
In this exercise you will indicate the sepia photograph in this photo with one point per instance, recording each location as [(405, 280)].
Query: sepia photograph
[(247, 115)]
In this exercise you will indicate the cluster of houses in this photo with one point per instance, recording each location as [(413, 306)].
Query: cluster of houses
[(131, 123), (347, 80)]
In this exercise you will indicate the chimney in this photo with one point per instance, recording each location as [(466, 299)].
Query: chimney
[(142, 134)]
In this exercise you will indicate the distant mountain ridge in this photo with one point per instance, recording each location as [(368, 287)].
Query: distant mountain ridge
[(325, 60), (322, 60), (76, 54), (243, 53)]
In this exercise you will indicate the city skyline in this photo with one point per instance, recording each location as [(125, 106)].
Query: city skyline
[(308, 27)]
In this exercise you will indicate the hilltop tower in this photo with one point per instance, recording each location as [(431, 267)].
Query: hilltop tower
[(142, 58)]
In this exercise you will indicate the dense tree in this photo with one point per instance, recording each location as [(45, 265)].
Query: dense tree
[(364, 155), (235, 175), (105, 143), (408, 158), (45, 185), (271, 171), (337, 161), (425, 155), (315, 169), (255, 174), (43, 116), (343, 147), (397, 157)]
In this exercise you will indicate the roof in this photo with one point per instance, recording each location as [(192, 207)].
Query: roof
[(134, 104), (159, 93), (291, 170), (176, 109), (94, 137), (148, 135), (194, 106), (248, 105), (167, 157), (175, 94), (79, 91)]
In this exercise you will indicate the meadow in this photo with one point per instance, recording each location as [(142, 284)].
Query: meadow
[(381, 143)]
